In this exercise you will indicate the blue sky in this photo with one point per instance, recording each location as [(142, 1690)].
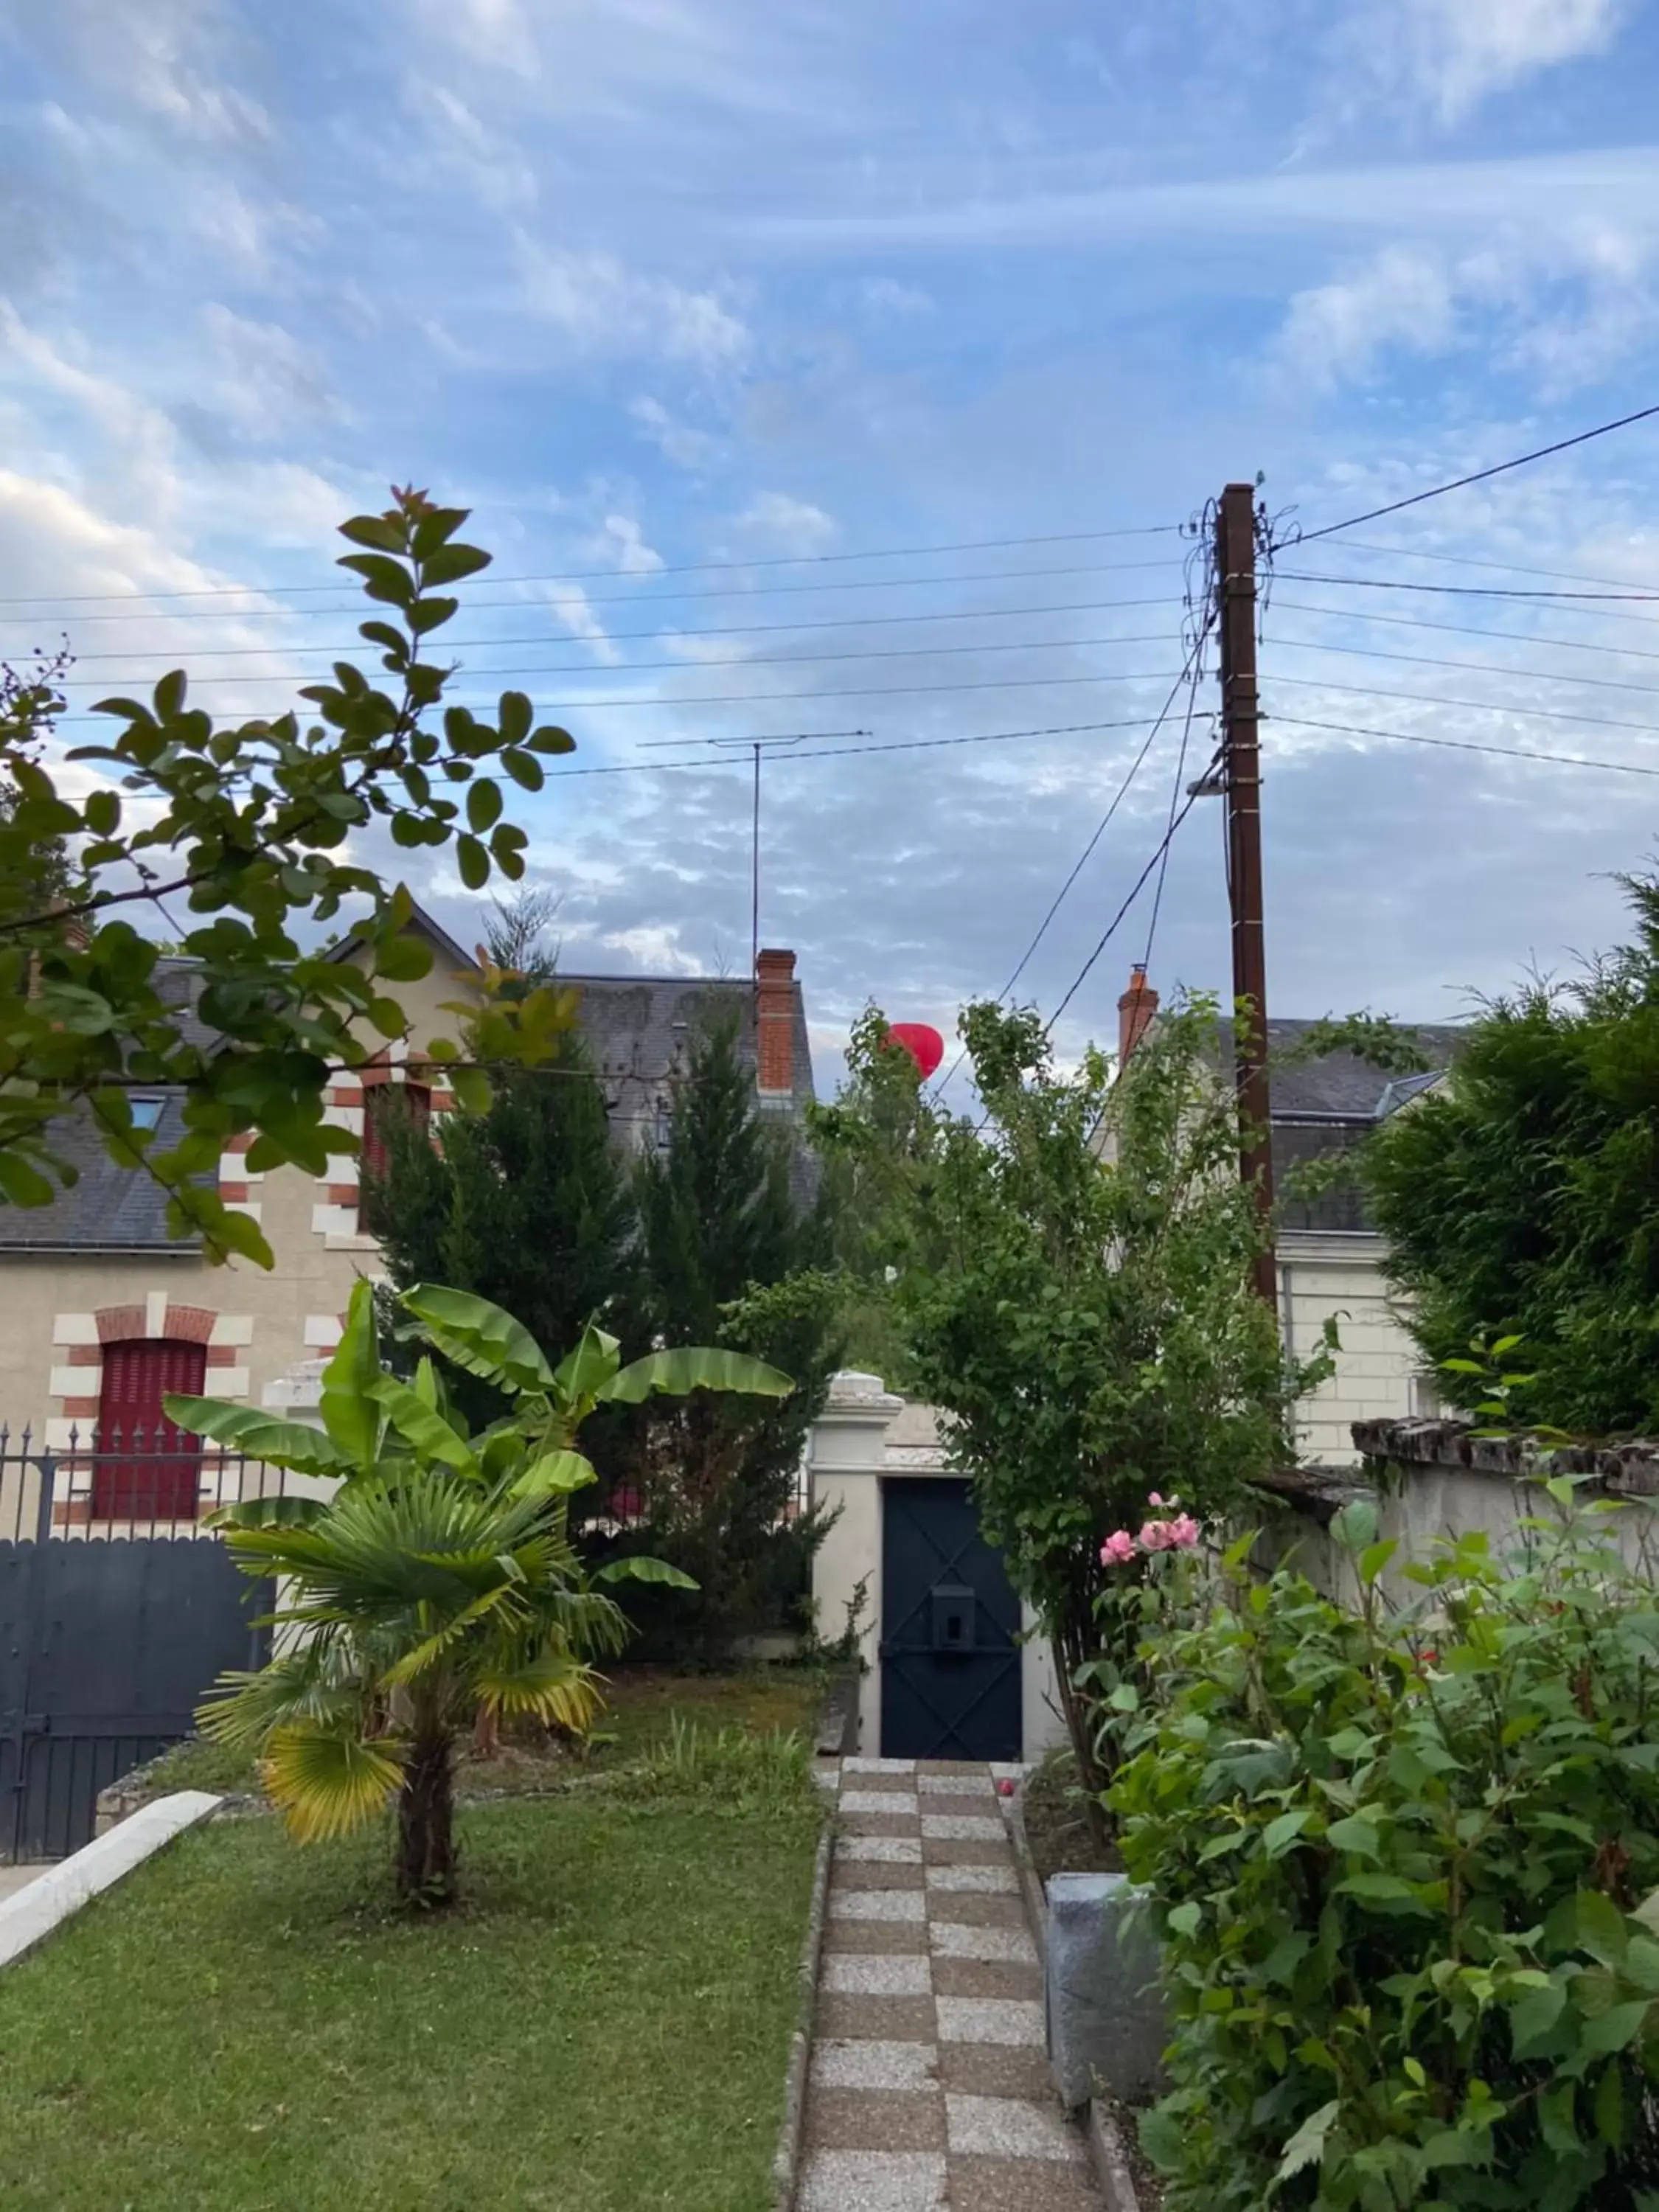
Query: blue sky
[(658, 284)]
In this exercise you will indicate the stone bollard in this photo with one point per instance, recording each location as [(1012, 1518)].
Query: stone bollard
[(1105, 2014)]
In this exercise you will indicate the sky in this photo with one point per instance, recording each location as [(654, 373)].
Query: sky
[(850, 375)]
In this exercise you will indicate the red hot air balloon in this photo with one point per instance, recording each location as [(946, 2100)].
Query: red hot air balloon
[(925, 1046)]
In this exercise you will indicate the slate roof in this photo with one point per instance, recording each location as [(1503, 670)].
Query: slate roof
[(637, 1027), (1340, 1085), (1332, 1105), (111, 1209)]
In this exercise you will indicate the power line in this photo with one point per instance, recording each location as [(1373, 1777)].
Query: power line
[(1478, 476), (667, 598), (1465, 745), (622, 636), (1460, 591), (1468, 561), (1163, 847), (599, 575), (1175, 797), (1472, 629), (1471, 667), (1471, 706), (639, 667), (808, 698), (712, 767), (1187, 676)]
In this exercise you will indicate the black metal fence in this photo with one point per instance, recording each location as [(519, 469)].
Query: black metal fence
[(118, 1609)]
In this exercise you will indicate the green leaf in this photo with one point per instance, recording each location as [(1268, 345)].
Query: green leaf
[(1613, 2030), (1355, 1834), (1185, 1919), (424, 616), (587, 1367), (421, 1427), (1307, 2146), (644, 1570), (692, 1367), (514, 718), (1533, 2019), (1600, 1927), (472, 861), (471, 1087), (102, 811), (403, 959), (374, 532), (1387, 1892), (349, 1412), (1278, 1836), (388, 1016), (482, 1338), (483, 804), (450, 563), (555, 1475), (1374, 1559), (292, 1445), (22, 1184), (524, 767), (383, 579), (550, 739)]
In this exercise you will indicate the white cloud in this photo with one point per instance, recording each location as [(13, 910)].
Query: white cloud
[(687, 447), (619, 538), (573, 607), (500, 176), (884, 296), (1451, 55), (654, 948), (167, 58), (268, 381), (1403, 299), (608, 309), (795, 524), (1567, 304)]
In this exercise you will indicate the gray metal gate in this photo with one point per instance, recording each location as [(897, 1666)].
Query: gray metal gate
[(111, 1629)]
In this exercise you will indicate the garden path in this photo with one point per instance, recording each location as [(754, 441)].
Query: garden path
[(929, 2088)]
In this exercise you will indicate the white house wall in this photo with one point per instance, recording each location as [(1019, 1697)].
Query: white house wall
[(1379, 1370)]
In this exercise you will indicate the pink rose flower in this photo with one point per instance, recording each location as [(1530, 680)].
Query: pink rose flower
[(1156, 1536), (1184, 1532), (1155, 1499), (1119, 1547)]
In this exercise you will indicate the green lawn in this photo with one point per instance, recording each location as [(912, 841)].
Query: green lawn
[(244, 2026), (642, 1704)]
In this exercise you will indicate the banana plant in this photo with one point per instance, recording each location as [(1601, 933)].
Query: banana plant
[(552, 1402), (357, 1440)]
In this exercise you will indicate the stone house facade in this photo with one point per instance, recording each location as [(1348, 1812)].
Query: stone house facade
[(100, 1311)]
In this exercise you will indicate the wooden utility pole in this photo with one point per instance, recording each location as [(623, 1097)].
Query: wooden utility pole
[(1235, 549)]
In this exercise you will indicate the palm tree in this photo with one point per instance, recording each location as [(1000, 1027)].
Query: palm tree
[(437, 1586)]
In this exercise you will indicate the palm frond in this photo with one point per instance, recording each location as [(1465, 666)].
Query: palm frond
[(315, 1684), (550, 1685), (330, 1781)]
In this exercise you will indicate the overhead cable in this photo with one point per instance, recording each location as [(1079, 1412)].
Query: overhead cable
[(656, 568), (1476, 476), (1465, 745)]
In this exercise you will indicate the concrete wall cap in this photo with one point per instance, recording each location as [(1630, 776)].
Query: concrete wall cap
[(44, 1904)]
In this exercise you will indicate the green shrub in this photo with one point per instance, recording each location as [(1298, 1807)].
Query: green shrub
[(1404, 1864)]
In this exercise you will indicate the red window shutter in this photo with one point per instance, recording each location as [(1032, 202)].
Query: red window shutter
[(382, 1099), (144, 1468)]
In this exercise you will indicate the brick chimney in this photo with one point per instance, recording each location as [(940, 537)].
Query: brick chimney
[(1135, 1010), (774, 1023)]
